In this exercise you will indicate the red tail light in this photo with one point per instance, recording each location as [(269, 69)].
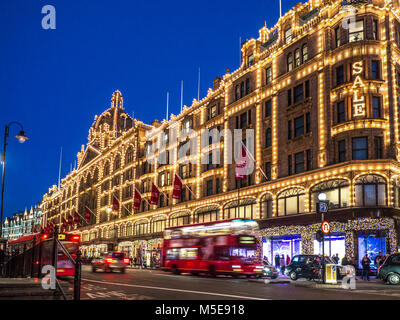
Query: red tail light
[(126, 260), (76, 238), (45, 236)]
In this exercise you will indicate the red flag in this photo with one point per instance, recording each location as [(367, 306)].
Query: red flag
[(176, 193), (137, 200), (155, 195), (88, 213), (70, 220), (242, 166), (76, 218), (115, 204)]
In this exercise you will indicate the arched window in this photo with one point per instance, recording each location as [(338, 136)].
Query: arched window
[(117, 162), (370, 191), (206, 214), (245, 209), (129, 155), (337, 192), (106, 170), (268, 138), (179, 220), (297, 60), (158, 225), (291, 202), (289, 62), (266, 206), (305, 53), (141, 228)]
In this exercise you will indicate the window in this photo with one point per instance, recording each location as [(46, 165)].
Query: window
[(360, 148), (217, 186), (268, 170), (376, 107), (308, 122), (247, 86), (375, 70), (307, 85), (242, 90), (268, 106), (299, 162), (339, 75), (356, 31), (289, 165), (341, 114), (213, 112), (308, 159), (243, 120), (266, 206), (305, 53), (289, 129), (297, 60), (209, 190), (299, 126), (337, 191), (378, 142), (342, 150), (337, 37), (250, 60), (288, 35), (291, 202), (269, 75), (289, 97), (298, 93), (375, 29), (208, 216), (268, 138), (289, 62), (370, 191), (237, 92)]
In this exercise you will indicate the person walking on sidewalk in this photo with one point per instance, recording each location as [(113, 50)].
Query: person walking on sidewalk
[(287, 260), (282, 264), (365, 262)]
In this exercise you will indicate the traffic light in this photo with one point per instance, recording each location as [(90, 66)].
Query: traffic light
[(320, 236)]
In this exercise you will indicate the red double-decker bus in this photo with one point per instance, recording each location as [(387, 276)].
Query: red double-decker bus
[(222, 247), (71, 242)]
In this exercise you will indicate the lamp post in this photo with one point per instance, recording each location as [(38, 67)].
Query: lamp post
[(322, 199), (21, 138)]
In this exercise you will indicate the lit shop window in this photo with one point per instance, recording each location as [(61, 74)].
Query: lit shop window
[(291, 202), (337, 192)]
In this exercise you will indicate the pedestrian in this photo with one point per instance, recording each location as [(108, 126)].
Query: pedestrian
[(365, 262), (265, 261), (336, 258), (379, 259), (277, 261), (131, 261), (345, 262), (282, 264), (287, 260)]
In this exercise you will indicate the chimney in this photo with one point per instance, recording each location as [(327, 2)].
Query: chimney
[(217, 82)]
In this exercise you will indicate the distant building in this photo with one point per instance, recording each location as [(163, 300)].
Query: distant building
[(22, 223)]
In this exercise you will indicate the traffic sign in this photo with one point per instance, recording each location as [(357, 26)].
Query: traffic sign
[(326, 227), (323, 207)]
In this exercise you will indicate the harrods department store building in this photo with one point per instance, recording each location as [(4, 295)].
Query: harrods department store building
[(322, 97)]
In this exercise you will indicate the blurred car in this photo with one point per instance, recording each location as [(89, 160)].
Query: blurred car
[(309, 267), (269, 271), (390, 270), (110, 261)]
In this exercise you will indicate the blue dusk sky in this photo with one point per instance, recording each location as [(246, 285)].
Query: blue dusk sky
[(55, 81)]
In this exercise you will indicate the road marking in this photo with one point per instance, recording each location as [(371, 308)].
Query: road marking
[(178, 290)]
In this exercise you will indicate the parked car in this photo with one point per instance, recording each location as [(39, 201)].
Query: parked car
[(309, 267), (390, 270), (110, 261)]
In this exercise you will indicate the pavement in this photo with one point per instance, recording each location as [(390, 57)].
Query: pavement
[(145, 284)]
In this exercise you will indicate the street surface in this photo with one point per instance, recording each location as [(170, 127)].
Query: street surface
[(143, 284)]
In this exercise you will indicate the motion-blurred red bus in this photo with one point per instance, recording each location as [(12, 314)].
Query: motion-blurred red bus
[(222, 247), (71, 242)]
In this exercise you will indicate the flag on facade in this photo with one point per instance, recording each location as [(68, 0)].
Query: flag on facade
[(88, 213), (137, 200), (76, 218), (242, 164), (176, 193), (115, 204), (155, 195), (70, 220)]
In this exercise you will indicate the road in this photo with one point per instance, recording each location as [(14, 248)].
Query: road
[(138, 284)]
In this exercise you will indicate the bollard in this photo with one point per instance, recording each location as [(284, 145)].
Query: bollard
[(77, 278)]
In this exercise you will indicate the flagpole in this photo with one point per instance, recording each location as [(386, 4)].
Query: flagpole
[(59, 170)]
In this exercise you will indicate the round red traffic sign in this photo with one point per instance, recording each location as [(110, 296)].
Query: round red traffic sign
[(326, 227)]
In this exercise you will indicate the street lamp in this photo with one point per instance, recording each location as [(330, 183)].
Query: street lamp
[(21, 138)]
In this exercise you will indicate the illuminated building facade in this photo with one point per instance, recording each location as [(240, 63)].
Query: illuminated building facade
[(321, 91), (22, 223)]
